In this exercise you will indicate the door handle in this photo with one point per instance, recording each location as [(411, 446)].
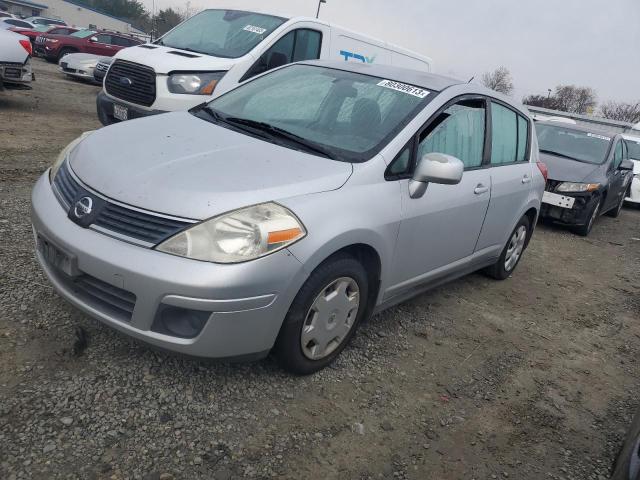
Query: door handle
[(526, 179), (480, 189)]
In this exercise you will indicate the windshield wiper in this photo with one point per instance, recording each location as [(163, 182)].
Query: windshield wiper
[(280, 132), (558, 154)]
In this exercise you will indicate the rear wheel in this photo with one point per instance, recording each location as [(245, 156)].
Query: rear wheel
[(323, 316), (65, 51), (512, 252), (615, 212), (584, 230)]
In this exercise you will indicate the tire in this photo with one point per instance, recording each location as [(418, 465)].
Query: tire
[(516, 245), (627, 465), (615, 212), (295, 347), (594, 213), (65, 51)]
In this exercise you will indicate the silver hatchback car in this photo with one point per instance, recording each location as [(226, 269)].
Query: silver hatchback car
[(280, 215)]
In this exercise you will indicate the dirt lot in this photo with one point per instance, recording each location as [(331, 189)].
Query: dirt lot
[(535, 377)]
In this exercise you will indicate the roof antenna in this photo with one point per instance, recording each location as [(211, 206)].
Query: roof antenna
[(471, 79)]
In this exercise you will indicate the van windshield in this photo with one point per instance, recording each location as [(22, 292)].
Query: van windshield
[(222, 33), (334, 113), (585, 147)]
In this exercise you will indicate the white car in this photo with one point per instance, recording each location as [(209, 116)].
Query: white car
[(633, 146), (7, 23), (80, 65), (15, 61)]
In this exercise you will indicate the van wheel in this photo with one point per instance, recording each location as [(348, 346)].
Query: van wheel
[(324, 316), (585, 230), (512, 252)]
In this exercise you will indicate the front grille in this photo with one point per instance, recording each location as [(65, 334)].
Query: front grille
[(103, 67), (118, 219), (132, 83), (115, 302), (138, 225)]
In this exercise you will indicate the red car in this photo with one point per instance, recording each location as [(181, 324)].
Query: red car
[(103, 43), (40, 30)]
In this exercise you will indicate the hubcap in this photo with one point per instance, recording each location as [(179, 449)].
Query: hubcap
[(330, 318), (515, 248)]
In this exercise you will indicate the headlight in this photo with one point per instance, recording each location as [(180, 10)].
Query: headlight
[(194, 83), (577, 187), (64, 154), (238, 236)]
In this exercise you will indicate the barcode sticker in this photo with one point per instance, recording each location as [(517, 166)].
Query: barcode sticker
[(258, 30), (404, 88)]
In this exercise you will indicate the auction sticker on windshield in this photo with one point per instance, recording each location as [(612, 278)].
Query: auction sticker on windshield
[(404, 88), (258, 30)]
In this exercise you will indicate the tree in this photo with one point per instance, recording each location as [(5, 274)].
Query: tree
[(165, 20), (542, 101), (573, 99), (621, 111), (499, 80)]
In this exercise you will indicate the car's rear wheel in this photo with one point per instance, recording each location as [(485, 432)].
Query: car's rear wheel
[(65, 51), (324, 315), (512, 252), (592, 216), (615, 212)]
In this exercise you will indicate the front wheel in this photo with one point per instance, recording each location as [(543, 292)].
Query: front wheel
[(323, 316), (615, 212), (512, 252), (585, 230)]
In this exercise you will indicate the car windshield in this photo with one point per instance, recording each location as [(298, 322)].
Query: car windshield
[(575, 144), (222, 33), (347, 116), (83, 33), (634, 149)]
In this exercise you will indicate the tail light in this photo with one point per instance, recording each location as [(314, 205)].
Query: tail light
[(543, 170), (26, 44)]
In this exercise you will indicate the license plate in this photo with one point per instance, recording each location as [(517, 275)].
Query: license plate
[(56, 257), (558, 200), (120, 112)]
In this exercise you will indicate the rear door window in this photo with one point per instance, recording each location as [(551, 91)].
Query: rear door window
[(504, 126)]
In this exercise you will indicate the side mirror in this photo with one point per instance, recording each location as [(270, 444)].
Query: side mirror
[(93, 39), (435, 168), (626, 165)]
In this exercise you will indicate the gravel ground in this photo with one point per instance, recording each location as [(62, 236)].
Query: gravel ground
[(535, 377)]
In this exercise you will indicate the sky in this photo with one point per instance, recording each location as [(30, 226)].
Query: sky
[(544, 43)]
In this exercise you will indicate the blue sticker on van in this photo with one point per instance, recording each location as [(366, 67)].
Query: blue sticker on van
[(356, 56)]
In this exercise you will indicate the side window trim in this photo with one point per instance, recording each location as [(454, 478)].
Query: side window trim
[(527, 155)]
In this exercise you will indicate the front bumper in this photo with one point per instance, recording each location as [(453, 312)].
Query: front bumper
[(82, 73), (634, 190), (244, 304), (577, 215), (104, 105)]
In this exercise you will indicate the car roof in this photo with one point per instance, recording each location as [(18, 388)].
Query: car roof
[(579, 128), (418, 78)]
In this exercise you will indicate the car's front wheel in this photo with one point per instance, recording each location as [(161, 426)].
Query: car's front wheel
[(592, 216), (512, 252), (323, 316), (615, 212)]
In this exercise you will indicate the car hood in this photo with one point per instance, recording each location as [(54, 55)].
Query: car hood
[(180, 165), (82, 59), (163, 61), (566, 170)]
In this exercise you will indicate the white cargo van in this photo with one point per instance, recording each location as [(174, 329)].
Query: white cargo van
[(215, 50)]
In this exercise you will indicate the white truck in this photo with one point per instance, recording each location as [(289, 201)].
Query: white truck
[(215, 50), (15, 61)]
